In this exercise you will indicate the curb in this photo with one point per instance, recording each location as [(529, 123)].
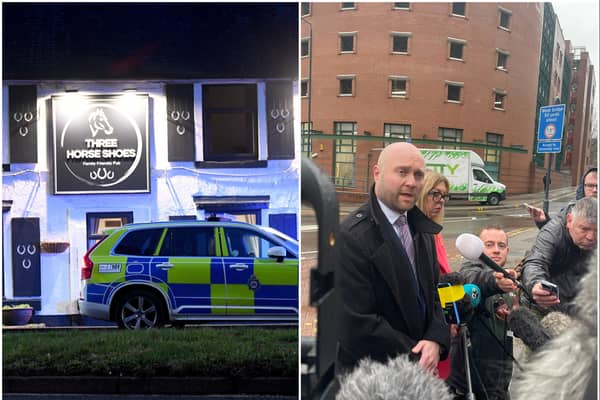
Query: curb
[(149, 385)]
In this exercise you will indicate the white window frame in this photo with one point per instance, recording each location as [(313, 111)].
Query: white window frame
[(456, 41), (304, 81), (345, 77), (393, 35), (354, 36), (458, 15), (502, 93), (347, 8), (501, 11), (461, 85), (505, 53), (398, 78), (394, 7), (309, 8), (306, 40)]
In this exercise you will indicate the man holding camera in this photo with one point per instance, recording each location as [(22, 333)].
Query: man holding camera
[(559, 257)]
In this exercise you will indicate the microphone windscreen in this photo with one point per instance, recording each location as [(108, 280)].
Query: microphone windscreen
[(472, 290), (527, 327), (469, 246), (398, 379)]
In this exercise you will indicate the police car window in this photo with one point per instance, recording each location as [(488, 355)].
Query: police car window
[(140, 242), (189, 242), (247, 243)]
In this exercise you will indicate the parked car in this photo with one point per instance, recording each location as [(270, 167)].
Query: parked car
[(147, 275)]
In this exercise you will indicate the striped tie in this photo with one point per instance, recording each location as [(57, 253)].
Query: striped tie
[(406, 239)]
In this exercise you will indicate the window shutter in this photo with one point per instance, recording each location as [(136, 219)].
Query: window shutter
[(26, 257), (180, 122), (22, 106), (280, 120)]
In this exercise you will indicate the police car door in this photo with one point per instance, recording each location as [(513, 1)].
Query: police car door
[(194, 273), (257, 284)]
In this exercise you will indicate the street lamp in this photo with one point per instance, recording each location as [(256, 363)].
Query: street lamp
[(310, 57)]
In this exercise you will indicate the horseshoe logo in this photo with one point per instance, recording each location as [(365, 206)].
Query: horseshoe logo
[(31, 249), (21, 249), (185, 115), (102, 174), (174, 115), (23, 131), (280, 127), (26, 263), (285, 113), (18, 117), (180, 129), (274, 113), (28, 116)]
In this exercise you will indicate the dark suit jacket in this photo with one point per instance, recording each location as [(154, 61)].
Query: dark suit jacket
[(379, 315)]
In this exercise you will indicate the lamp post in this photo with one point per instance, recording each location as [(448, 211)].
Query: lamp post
[(310, 57)]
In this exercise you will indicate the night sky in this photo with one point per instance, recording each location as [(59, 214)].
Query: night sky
[(149, 40)]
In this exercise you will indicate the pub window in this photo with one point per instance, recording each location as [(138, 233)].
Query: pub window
[(400, 42), (230, 122), (346, 83), (98, 223), (305, 47), (347, 42)]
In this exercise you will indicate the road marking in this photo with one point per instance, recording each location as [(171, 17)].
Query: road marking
[(518, 231)]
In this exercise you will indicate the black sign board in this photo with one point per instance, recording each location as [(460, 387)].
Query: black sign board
[(100, 144), (26, 257), (180, 122), (280, 120), (22, 109)]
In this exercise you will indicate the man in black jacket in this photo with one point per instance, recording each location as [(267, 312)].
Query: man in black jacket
[(559, 256), (387, 274), (491, 343)]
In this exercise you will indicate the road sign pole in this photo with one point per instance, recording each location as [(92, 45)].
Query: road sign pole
[(546, 206)]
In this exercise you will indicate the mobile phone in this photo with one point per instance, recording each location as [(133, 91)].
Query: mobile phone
[(551, 287), (527, 205)]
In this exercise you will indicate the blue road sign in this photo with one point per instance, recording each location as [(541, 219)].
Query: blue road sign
[(550, 128)]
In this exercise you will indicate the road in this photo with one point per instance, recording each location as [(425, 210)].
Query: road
[(461, 217), (136, 397)]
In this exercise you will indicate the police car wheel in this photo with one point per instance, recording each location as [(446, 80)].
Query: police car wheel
[(139, 310)]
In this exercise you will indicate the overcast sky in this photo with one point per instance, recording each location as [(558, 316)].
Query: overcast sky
[(579, 21)]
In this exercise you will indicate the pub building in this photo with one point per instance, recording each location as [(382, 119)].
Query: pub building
[(83, 155)]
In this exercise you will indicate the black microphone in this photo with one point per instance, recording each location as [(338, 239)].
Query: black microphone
[(527, 327), (471, 248), (398, 379)]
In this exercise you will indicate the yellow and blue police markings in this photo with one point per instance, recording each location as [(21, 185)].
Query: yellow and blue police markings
[(261, 286)]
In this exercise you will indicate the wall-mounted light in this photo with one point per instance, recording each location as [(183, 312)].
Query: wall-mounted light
[(71, 90), (130, 90)]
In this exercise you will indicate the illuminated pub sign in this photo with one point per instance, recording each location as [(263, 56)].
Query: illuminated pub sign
[(100, 144)]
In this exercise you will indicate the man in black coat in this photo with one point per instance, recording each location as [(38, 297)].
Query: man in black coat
[(388, 272)]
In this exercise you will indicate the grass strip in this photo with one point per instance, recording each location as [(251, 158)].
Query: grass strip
[(208, 352)]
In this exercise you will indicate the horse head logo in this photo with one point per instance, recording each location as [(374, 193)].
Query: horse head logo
[(99, 122)]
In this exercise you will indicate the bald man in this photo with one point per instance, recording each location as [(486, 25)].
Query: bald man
[(387, 272)]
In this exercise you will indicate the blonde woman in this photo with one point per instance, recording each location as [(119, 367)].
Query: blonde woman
[(432, 201)]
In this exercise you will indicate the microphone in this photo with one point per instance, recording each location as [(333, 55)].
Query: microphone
[(527, 327), (398, 379), (457, 299), (471, 248)]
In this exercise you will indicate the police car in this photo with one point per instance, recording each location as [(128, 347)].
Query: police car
[(146, 275)]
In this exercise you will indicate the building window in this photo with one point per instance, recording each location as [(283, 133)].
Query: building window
[(304, 88), (456, 47), (398, 131), (230, 129), (499, 97), (97, 223), (346, 85), (348, 5), (492, 157), (347, 42), (450, 135), (306, 145), (398, 86), (504, 18), (305, 8), (401, 6), (400, 42), (305, 47), (454, 90), (345, 151), (459, 9), (502, 59)]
